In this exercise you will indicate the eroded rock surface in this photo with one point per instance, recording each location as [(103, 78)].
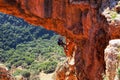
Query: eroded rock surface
[(80, 21), (4, 73), (112, 59), (112, 13)]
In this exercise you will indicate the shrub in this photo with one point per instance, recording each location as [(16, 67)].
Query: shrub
[(118, 72), (19, 63), (26, 74), (17, 72), (113, 14), (48, 66)]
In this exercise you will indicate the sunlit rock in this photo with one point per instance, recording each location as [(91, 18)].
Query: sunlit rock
[(112, 58)]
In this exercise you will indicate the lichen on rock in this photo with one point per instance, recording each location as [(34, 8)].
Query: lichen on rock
[(112, 59), (112, 12)]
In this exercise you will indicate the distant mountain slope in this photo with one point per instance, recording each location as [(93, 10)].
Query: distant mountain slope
[(33, 48), (14, 31)]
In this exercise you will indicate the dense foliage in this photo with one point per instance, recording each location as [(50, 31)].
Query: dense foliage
[(31, 47), (14, 31)]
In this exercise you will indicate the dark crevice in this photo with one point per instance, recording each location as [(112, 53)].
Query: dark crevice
[(20, 9), (11, 2), (48, 8), (86, 12)]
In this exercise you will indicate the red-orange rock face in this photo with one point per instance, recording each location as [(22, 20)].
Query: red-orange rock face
[(5, 75), (79, 20)]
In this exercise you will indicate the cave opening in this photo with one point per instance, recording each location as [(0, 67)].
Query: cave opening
[(30, 50)]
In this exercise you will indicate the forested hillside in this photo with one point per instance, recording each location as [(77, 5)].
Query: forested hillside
[(15, 31), (31, 47)]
